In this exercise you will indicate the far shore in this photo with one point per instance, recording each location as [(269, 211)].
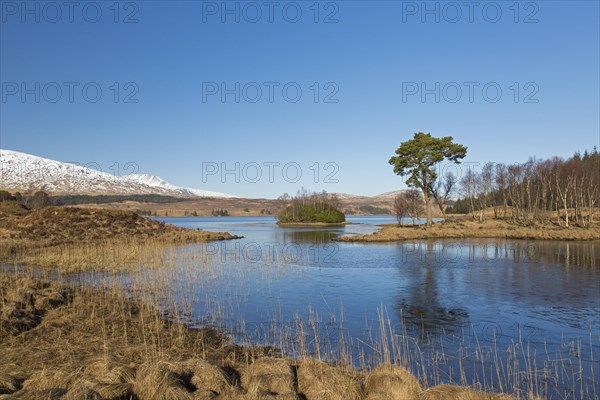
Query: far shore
[(464, 229), (309, 224)]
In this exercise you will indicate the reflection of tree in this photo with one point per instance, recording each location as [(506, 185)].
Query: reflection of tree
[(518, 264), (308, 236), (425, 308), (565, 253)]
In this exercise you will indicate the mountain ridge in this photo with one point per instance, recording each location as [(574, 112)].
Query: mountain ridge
[(26, 172)]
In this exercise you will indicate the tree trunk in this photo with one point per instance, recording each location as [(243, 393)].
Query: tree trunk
[(427, 207)]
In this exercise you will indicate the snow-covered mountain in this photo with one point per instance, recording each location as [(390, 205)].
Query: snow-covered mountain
[(382, 196), (25, 172), (159, 183), (346, 196)]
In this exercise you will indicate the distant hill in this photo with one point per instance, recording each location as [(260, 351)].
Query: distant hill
[(389, 195), (28, 173)]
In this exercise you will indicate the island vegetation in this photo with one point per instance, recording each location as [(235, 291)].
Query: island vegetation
[(310, 208)]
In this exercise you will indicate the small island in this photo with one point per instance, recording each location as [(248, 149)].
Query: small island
[(308, 208)]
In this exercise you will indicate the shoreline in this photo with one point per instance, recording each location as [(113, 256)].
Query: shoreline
[(464, 229), (77, 341)]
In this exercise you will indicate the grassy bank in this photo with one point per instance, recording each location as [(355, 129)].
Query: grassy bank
[(463, 228), (60, 341), (75, 239)]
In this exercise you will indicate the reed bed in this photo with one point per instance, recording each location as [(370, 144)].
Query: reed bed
[(152, 332)]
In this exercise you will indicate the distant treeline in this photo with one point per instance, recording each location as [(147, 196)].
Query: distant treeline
[(71, 200), (42, 199), (219, 213), (34, 201), (534, 191)]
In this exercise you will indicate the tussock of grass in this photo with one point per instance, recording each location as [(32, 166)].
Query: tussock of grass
[(392, 382), (319, 380), (109, 372), (445, 392), (208, 377), (159, 382), (269, 376), (82, 389), (8, 383), (461, 229), (48, 379), (25, 301)]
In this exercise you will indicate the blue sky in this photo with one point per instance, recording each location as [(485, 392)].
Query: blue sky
[(370, 62)]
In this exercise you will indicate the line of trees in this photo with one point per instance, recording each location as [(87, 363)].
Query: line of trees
[(309, 207), (37, 200), (219, 213), (538, 190)]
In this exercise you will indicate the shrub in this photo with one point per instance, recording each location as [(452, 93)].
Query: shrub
[(312, 207)]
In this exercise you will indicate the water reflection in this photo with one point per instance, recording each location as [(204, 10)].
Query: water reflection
[(577, 254), (309, 236), (451, 284)]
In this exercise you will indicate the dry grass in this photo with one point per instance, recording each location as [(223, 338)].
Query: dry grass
[(8, 383), (269, 376), (444, 392), (97, 341), (76, 239), (159, 382), (318, 380), (461, 229), (25, 302), (392, 382), (59, 225), (97, 344)]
